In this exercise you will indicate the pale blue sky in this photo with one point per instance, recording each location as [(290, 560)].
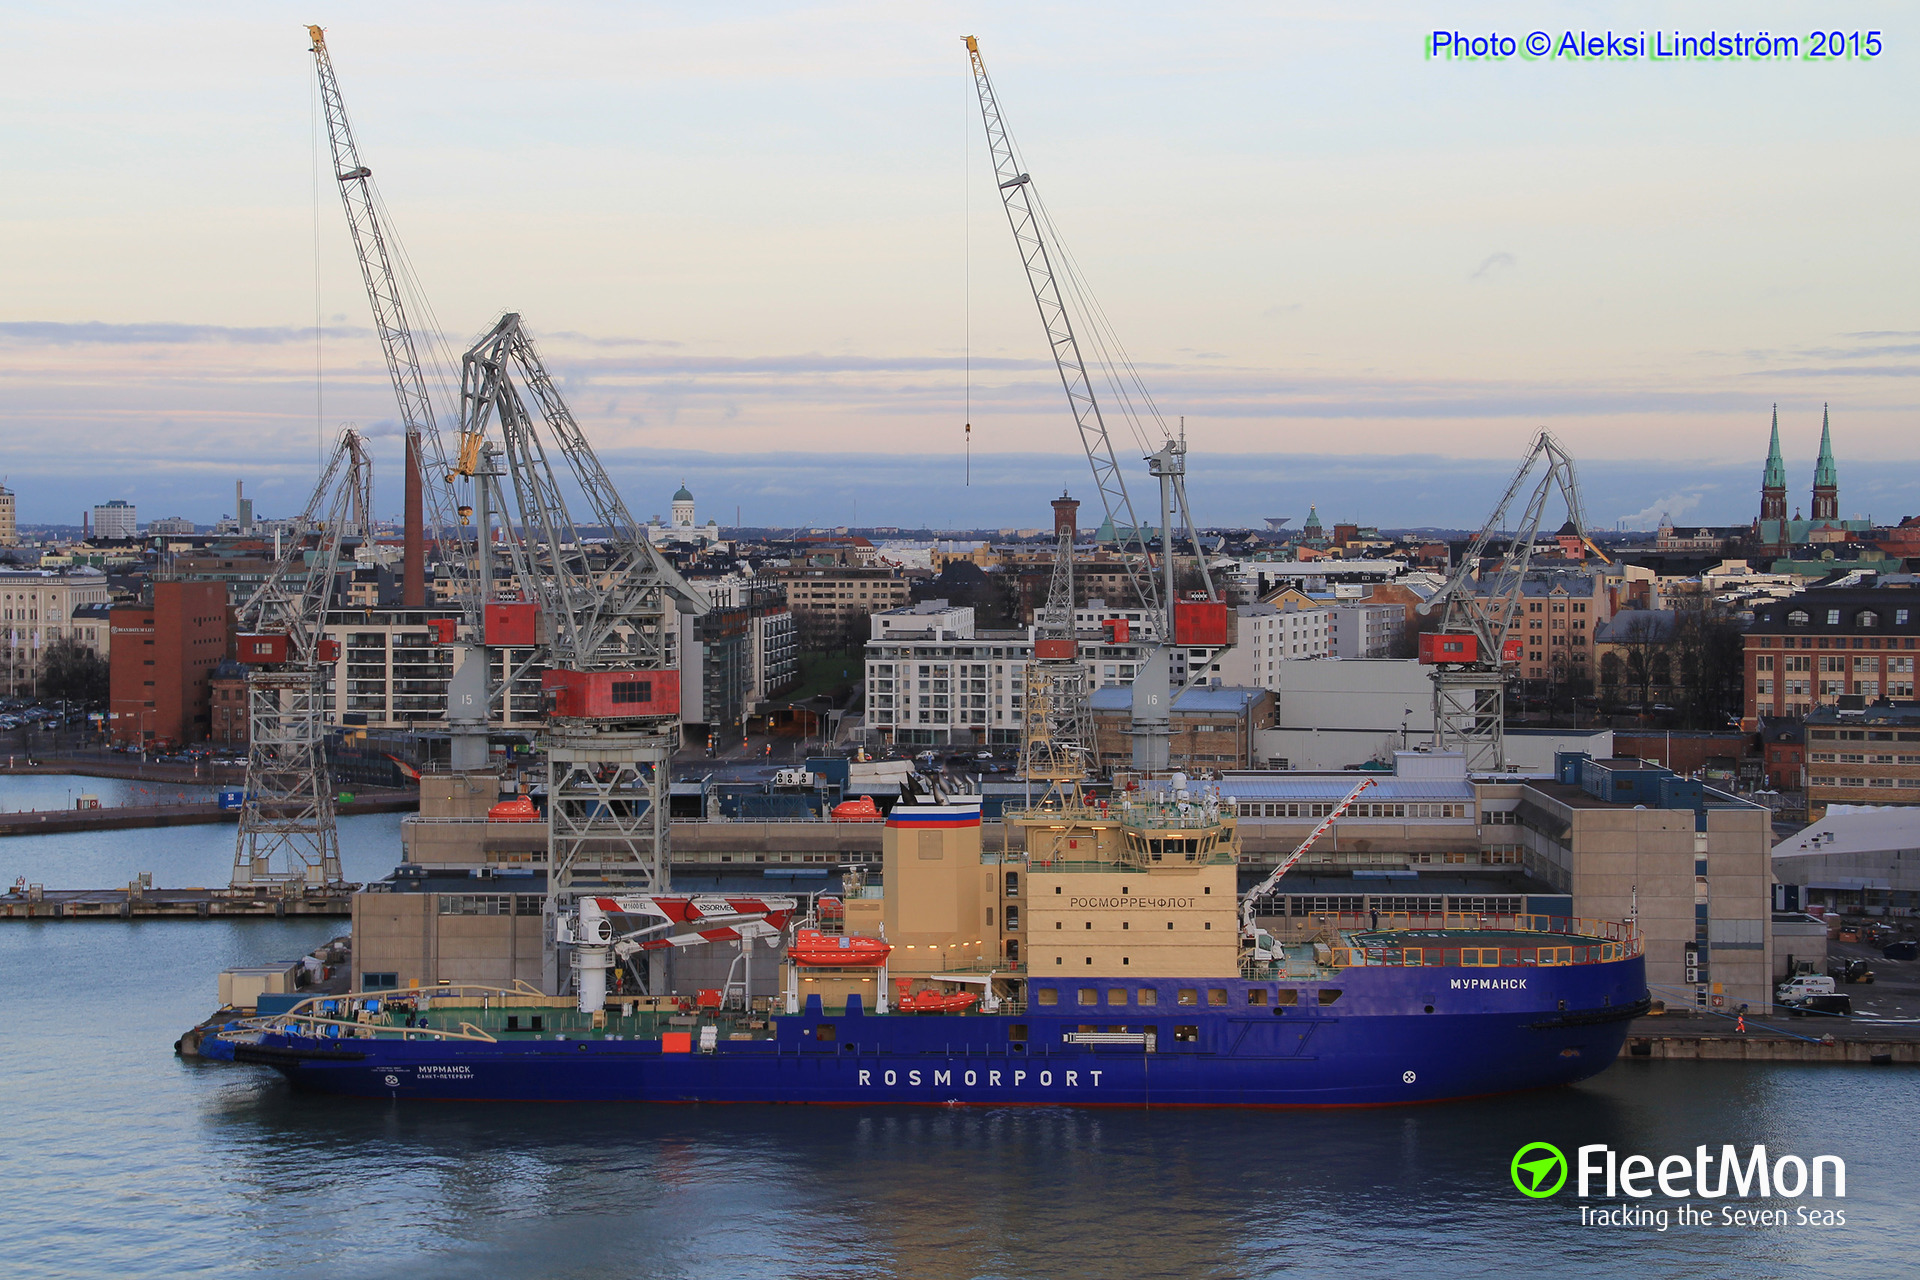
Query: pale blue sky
[(745, 231)]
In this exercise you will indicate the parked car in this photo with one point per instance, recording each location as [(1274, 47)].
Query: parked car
[(1906, 949), (1832, 1006)]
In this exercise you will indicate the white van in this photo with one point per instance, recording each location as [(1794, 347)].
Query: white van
[(1807, 984)]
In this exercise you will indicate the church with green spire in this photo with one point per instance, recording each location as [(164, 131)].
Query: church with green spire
[(1776, 532)]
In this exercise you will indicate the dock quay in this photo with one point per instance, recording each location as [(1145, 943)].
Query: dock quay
[(49, 821), (1774, 1037), (139, 901)]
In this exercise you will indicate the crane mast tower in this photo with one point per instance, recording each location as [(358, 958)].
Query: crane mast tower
[(1056, 742), (287, 831)]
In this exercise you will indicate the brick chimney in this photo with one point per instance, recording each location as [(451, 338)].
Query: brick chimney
[(413, 555)]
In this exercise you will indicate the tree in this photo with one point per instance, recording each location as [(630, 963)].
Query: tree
[(1708, 660), (1645, 641), (74, 672)]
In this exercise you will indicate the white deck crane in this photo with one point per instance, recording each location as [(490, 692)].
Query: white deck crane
[(1249, 931), (1474, 644), (1047, 264), (287, 832), (469, 697)]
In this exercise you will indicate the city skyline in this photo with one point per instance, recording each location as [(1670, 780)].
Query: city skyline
[(742, 245)]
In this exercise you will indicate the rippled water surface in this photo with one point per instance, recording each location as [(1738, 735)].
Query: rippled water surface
[(123, 1161), (178, 857)]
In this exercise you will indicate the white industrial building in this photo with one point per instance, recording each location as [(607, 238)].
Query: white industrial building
[(1858, 859)]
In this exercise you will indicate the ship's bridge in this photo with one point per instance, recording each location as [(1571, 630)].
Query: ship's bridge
[(1158, 833)]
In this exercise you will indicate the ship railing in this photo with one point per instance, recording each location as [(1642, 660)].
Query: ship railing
[(357, 1010), (1328, 924), (313, 1026), (1453, 953), (1171, 817), (780, 820), (1064, 816)]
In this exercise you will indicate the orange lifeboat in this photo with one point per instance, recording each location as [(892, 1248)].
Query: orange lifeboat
[(518, 809), (931, 1001), (862, 809), (837, 951)]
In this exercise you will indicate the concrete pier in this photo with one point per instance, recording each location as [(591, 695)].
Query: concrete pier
[(137, 902), (48, 821)]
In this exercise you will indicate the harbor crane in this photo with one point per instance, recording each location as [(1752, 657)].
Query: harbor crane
[(585, 604), (1200, 623), (470, 694), (361, 202), (601, 612), (1476, 643), (287, 830)]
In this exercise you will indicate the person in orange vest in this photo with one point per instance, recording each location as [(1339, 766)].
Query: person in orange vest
[(1740, 1024)]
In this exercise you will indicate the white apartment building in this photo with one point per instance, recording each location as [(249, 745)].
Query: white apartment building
[(116, 519), (1357, 629), (1269, 637), (393, 670), (934, 680), (734, 657)]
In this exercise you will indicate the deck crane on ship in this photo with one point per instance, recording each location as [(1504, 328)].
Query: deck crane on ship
[(287, 832), (1200, 623), (1475, 645), (1263, 948)]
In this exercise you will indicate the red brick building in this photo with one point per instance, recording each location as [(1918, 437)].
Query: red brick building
[(1812, 649), (162, 655), (227, 702)]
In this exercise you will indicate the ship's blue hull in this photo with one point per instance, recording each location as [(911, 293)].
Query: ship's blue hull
[(1375, 1043)]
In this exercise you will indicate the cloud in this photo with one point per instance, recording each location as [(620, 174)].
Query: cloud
[(573, 335), (48, 333), (1493, 260), (1673, 506)]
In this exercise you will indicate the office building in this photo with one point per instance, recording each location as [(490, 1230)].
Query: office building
[(164, 653), (116, 519)]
